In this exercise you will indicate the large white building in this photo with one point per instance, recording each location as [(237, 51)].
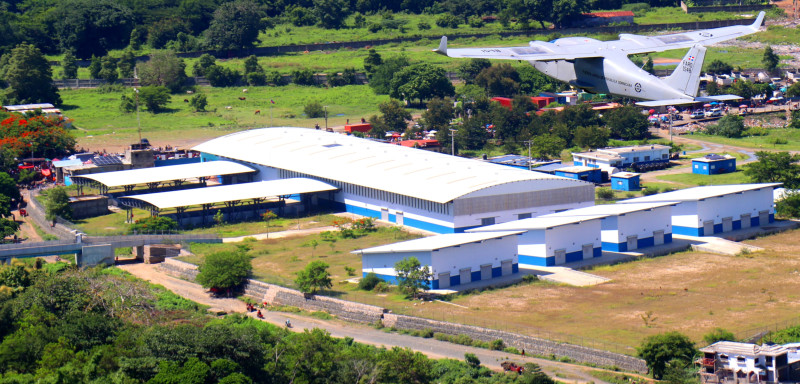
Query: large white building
[(651, 155), (421, 189), (548, 241), (708, 210), (454, 259), (628, 227)]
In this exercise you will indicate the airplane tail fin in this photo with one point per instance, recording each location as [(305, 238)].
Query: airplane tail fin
[(686, 77)]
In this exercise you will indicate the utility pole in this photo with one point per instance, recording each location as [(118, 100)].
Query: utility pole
[(138, 121), (453, 141), (326, 117)]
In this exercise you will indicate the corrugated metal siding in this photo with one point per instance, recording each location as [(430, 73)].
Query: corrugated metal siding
[(476, 205)]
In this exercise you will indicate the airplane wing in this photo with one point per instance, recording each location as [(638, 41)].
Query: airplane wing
[(580, 47), (699, 99)]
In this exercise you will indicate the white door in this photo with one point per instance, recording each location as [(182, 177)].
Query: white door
[(385, 214), (486, 272), (727, 224), (658, 237), (444, 280), (465, 275), (399, 218), (588, 251), (763, 218), (633, 242), (505, 267), (561, 256), (708, 228), (745, 221)]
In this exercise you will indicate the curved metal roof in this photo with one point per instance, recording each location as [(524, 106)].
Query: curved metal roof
[(168, 173), (407, 171), (232, 192), (700, 193), (436, 242)]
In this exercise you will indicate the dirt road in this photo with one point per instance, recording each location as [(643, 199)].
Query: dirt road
[(567, 373)]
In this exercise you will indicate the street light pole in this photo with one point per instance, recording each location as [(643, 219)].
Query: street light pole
[(138, 121), (529, 154), (453, 141), (326, 117)]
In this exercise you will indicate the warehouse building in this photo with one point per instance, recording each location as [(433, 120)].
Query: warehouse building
[(407, 186), (454, 259), (628, 227), (708, 210), (644, 157), (548, 241)]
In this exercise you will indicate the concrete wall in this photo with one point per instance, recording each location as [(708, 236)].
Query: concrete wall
[(92, 255), (88, 206), (642, 224), (688, 217), (367, 314), (538, 247)]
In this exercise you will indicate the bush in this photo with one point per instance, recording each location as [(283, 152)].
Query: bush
[(647, 191), (756, 131), (154, 98), (199, 102), (219, 76), (447, 21), (382, 287), (475, 21), (789, 206), (153, 224), (530, 279), (303, 77), (778, 141), (605, 193), (275, 77), (256, 78), (497, 345), (423, 26), (369, 281), (314, 110)]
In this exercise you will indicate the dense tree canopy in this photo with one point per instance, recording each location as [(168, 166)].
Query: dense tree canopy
[(235, 25), (224, 269), (421, 82), (658, 351), (92, 27), (775, 167), (29, 77)]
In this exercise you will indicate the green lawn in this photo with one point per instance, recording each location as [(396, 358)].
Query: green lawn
[(776, 34), (677, 15), (693, 180), (792, 136)]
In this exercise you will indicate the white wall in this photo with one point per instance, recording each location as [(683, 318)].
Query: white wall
[(655, 154), (513, 215), (572, 237), (717, 208), (473, 255), (685, 215), (642, 224), (556, 182), (386, 261)]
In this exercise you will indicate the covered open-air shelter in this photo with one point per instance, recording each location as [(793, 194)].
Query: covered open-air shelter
[(259, 194), (175, 175)]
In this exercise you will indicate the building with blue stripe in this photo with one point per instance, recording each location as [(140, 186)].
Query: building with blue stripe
[(713, 210), (714, 164), (453, 259), (422, 189), (548, 241)]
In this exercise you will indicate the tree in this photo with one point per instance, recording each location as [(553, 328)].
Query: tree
[(57, 204), (548, 146), (770, 60), (658, 350), (499, 80), (794, 122), (412, 276), (219, 76), (718, 334), (267, 217), (251, 65), (728, 126), (794, 90), (331, 13), (531, 81), (314, 110), (154, 98), (29, 77), (92, 27), (627, 123), (8, 187), (470, 69), (163, 69), (224, 270), (127, 62), (421, 82), (394, 118), (775, 167), (198, 102), (315, 276), (372, 61), (70, 66), (438, 114), (719, 67), (591, 137), (789, 206), (235, 25), (8, 227), (95, 65), (109, 69), (648, 65), (380, 81), (202, 64)]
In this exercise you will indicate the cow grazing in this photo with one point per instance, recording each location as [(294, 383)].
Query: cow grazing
[(229, 107), (242, 98), (185, 100), (258, 112), (244, 90)]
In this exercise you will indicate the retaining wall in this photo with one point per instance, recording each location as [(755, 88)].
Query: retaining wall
[(365, 314)]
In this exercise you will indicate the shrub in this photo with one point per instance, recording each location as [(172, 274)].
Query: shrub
[(423, 26), (530, 279), (647, 191), (778, 141), (382, 287), (303, 77), (475, 21), (369, 282), (497, 345), (447, 21), (256, 78), (605, 193), (314, 110), (153, 224), (219, 76)]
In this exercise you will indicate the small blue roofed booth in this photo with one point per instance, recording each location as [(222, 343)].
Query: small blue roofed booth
[(714, 164), (590, 174), (625, 181)]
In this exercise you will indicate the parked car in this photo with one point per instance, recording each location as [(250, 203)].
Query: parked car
[(697, 114), (714, 112)]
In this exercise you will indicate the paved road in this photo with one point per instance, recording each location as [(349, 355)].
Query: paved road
[(567, 373)]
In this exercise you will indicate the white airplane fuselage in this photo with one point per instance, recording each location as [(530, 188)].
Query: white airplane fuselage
[(613, 74)]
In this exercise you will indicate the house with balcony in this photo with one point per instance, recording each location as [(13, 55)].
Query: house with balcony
[(734, 362)]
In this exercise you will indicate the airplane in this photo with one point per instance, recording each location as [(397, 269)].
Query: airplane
[(604, 67)]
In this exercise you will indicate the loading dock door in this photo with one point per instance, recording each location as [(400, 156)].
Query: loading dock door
[(561, 256), (632, 243), (727, 224), (444, 280), (745, 221), (465, 275), (399, 218), (588, 251), (385, 214), (505, 266), (763, 218), (658, 237), (708, 228), (486, 272)]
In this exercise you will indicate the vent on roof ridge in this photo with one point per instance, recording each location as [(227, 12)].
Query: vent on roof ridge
[(331, 145)]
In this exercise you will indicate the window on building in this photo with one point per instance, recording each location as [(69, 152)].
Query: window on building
[(713, 166), (740, 360), (524, 216), (647, 158), (664, 156), (636, 158), (619, 183), (487, 221)]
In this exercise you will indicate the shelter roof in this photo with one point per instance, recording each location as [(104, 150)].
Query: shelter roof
[(625, 175), (610, 209), (168, 173), (406, 171), (700, 193), (232, 192), (433, 243), (577, 169), (539, 222)]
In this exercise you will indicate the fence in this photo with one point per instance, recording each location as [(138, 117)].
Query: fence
[(755, 335), (36, 213), (721, 6)]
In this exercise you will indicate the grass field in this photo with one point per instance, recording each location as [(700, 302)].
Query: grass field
[(792, 136), (692, 180), (776, 34)]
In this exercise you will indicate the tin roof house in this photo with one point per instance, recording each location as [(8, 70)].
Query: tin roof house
[(733, 362)]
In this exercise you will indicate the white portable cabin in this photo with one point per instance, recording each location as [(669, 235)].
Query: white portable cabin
[(549, 241), (708, 210), (628, 227), (454, 259), (421, 189)]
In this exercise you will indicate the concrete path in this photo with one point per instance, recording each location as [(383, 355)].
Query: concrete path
[(566, 275), (567, 373)]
